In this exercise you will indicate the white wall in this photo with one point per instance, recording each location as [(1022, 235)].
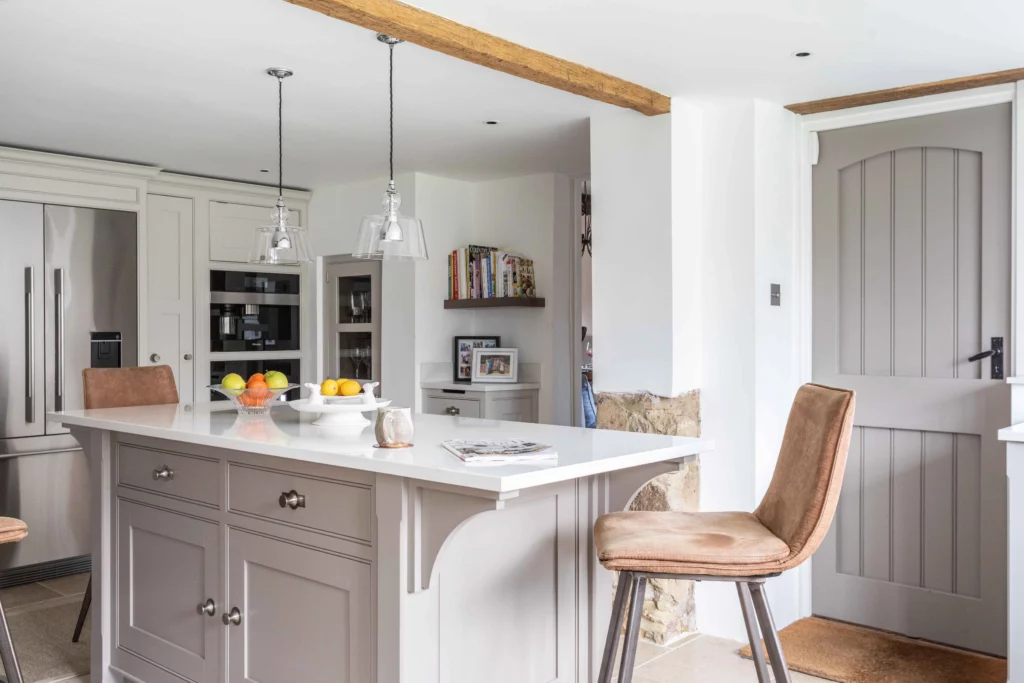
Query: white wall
[(631, 172), (732, 234), (335, 213), (531, 215)]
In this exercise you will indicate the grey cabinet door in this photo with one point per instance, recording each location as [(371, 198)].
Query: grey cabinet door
[(304, 615), (168, 564)]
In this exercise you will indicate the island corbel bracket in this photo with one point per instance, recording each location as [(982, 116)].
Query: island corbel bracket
[(416, 520)]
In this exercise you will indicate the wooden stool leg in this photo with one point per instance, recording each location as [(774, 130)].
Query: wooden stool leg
[(7, 655), (83, 613), (771, 636), (615, 625), (636, 610), (750, 620)]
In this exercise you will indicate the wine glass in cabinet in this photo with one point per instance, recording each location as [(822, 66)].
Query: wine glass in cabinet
[(352, 318)]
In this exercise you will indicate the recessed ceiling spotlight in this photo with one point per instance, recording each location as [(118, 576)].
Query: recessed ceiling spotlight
[(801, 54), (492, 123)]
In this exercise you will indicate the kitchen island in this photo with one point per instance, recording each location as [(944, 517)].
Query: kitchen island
[(235, 548)]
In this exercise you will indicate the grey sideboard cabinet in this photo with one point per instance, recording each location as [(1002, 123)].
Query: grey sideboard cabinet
[(240, 572), (507, 402)]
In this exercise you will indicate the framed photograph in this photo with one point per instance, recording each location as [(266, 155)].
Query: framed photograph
[(462, 355), (495, 365)]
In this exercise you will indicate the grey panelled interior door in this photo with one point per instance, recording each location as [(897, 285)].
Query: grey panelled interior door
[(911, 231)]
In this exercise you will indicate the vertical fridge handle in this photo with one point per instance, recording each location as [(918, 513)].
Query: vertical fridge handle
[(58, 290), (30, 346)]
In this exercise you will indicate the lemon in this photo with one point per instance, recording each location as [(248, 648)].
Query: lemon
[(233, 381), (341, 380), (349, 388), (329, 388)]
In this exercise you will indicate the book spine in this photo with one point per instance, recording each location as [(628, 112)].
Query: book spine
[(451, 292)]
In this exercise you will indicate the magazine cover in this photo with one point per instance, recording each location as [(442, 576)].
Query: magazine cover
[(507, 450)]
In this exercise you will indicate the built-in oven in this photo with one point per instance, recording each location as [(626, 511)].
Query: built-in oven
[(253, 311)]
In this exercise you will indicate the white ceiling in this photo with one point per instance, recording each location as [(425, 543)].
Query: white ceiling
[(180, 83), (744, 47)]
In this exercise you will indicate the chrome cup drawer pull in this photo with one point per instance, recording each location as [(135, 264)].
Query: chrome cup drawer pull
[(165, 473), (233, 617), (292, 500), (209, 608)]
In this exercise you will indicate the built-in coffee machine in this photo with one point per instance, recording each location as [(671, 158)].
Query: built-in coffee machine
[(253, 311)]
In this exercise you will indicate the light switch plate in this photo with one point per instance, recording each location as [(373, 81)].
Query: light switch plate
[(776, 295)]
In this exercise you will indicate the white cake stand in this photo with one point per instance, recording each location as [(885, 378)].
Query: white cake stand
[(340, 412)]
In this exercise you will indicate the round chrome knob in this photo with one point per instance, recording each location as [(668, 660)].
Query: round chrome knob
[(155, 357), (233, 617), (165, 473), (188, 356), (292, 500), (451, 410), (209, 608)]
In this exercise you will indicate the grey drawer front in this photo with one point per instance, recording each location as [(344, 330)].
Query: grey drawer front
[(330, 506), (189, 477), (442, 405)]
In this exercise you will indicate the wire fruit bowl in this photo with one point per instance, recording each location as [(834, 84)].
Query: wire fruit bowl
[(255, 401)]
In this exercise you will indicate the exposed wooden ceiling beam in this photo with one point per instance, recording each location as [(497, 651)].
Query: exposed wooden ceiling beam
[(907, 92), (443, 35)]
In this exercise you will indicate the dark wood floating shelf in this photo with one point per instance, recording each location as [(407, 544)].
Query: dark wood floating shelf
[(502, 302)]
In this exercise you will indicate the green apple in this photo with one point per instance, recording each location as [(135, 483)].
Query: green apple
[(233, 381), (275, 379)]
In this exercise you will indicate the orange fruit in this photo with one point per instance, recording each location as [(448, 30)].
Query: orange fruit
[(255, 376), (255, 384)]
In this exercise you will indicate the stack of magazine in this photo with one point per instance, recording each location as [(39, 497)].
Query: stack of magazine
[(505, 451)]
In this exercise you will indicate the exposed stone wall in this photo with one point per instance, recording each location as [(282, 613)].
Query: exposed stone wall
[(669, 610)]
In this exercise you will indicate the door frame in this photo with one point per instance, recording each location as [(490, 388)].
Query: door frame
[(807, 128)]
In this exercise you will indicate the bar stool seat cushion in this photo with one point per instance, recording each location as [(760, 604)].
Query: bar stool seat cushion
[(12, 530), (708, 543)]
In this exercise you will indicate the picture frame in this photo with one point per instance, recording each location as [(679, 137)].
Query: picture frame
[(462, 355), (495, 365)]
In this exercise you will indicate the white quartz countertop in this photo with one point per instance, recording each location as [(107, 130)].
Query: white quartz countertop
[(1014, 433), (480, 386), (288, 434)]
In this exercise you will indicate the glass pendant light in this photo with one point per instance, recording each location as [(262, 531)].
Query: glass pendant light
[(390, 235), (280, 244)]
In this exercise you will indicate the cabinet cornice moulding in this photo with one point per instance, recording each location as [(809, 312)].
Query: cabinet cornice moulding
[(65, 161), (182, 180)]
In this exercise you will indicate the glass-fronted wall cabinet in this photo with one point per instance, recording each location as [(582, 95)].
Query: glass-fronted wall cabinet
[(352, 319)]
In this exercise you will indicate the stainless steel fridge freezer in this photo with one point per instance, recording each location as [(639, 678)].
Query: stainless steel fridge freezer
[(69, 279)]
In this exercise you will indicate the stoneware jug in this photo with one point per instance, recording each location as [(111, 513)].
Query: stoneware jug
[(394, 427)]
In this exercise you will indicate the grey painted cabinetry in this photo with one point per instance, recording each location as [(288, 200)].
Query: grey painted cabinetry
[(512, 405), (212, 586)]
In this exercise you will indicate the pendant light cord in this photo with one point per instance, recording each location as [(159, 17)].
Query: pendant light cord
[(280, 136), (391, 111)]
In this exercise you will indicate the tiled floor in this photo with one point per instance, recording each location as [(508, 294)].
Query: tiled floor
[(699, 659), (33, 596)]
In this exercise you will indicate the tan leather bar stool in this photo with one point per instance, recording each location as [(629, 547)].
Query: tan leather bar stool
[(123, 388), (11, 531), (742, 547)]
